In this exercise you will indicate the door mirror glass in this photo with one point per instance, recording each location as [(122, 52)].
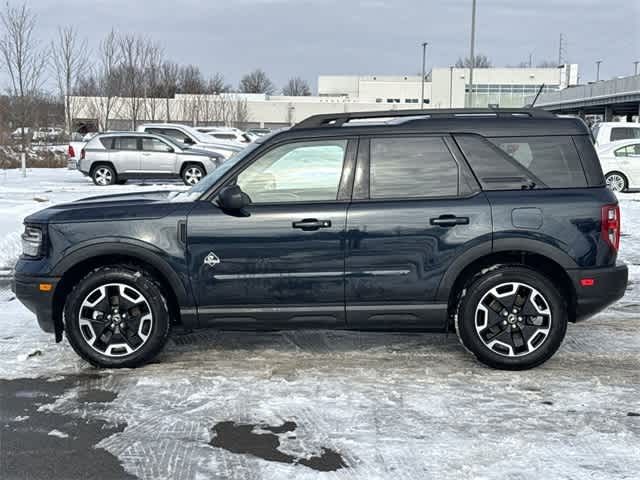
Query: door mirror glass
[(233, 198), (188, 141)]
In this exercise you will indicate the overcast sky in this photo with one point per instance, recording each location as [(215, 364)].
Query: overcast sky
[(309, 38)]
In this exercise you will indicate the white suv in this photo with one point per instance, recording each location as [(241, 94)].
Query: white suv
[(190, 137)]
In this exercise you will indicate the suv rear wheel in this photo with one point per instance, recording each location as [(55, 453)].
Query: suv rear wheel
[(117, 317), (192, 174), (103, 175), (511, 318)]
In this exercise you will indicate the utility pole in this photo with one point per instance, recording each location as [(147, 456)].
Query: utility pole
[(635, 67), (598, 62), (424, 65), (472, 53), (450, 86)]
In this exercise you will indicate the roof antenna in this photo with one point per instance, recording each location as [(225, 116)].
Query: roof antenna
[(535, 99)]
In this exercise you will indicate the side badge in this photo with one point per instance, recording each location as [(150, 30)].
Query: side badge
[(212, 259)]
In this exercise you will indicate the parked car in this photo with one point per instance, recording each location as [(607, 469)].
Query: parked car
[(607, 132), (621, 164), (259, 131), (189, 136), (111, 158), (18, 132), (495, 223), (227, 134)]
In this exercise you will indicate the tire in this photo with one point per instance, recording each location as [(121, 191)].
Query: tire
[(522, 338), (104, 175), (617, 182), (145, 317), (192, 173)]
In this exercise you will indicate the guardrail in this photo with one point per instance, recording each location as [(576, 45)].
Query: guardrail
[(619, 87)]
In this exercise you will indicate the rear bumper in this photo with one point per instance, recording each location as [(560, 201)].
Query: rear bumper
[(27, 290), (609, 285)]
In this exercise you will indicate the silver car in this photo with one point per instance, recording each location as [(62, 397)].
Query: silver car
[(114, 158)]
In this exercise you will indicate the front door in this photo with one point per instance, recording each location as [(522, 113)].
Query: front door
[(416, 209), (281, 260), (158, 157)]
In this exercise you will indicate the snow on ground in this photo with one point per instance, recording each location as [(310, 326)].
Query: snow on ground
[(413, 406)]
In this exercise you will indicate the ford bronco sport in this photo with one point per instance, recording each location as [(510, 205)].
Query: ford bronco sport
[(495, 223)]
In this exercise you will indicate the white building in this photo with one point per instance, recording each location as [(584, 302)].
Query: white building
[(443, 88)]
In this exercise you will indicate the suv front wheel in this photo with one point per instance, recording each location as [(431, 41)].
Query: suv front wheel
[(192, 174), (511, 318), (116, 316)]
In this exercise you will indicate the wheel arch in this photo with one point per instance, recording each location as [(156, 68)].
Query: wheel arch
[(84, 259), (554, 266)]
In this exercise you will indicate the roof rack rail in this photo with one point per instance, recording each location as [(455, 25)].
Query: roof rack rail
[(339, 119)]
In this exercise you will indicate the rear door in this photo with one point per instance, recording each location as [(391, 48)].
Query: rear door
[(158, 157), (125, 155), (415, 209)]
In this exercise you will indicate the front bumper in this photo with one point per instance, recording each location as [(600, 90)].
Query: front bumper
[(609, 285), (27, 290)]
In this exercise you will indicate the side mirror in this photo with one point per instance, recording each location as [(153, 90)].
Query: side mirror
[(189, 140), (233, 198)]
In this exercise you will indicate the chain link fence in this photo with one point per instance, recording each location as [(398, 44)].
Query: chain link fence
[(6, 276)]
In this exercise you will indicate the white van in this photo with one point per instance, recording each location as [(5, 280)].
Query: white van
[(607, 132)]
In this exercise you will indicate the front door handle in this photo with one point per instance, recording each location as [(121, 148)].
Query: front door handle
[(309, 224), (449, 221)]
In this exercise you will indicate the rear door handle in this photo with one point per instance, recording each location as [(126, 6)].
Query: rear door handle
[(311, 224), (449, 221)]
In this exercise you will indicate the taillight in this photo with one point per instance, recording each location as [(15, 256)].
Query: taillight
[(610, 227), (72, 152), (82, 154)]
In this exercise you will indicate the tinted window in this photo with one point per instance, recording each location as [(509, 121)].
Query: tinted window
[(154, 145), (107, 142), (412, 167), (296, 172), (126, 143), (553, 159), (624, 133), (170, 132), (225, 136)]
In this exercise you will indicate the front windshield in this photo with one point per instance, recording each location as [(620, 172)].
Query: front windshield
[(172, 141), (207, 182), (201, 137)]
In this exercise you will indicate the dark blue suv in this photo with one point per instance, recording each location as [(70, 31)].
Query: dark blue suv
[(494, 222)]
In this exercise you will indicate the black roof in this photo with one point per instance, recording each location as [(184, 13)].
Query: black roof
[(485, 122)]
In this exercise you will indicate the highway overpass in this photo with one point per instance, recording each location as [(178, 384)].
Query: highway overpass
[(620, 96)]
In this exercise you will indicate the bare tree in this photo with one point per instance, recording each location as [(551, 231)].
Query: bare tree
[(190, 80), (257, 82), (547, 64), (134, 55), (69, 62), (217, 84), (109, 80), (152, 80), (169, 84), (24, 60), (296, 87), (481, 61)]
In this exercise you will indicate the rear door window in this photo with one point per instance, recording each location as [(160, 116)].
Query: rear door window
[(126, 143), (412, 167)]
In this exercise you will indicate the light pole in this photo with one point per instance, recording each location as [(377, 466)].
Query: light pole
[(635, 67), (472, 54), (424, 66), (598, 62)]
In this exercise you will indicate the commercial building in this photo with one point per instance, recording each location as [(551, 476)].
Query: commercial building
[(443, 88)]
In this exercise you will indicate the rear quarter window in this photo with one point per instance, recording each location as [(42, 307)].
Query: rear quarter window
[(508, 163)]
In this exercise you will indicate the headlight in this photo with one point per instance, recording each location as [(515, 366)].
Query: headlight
[(32, 241)]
